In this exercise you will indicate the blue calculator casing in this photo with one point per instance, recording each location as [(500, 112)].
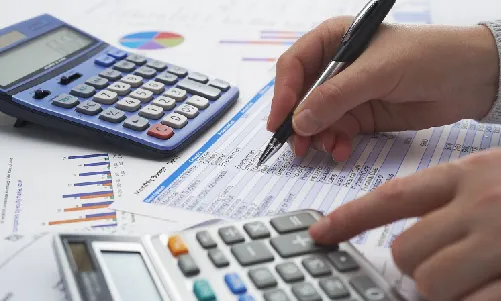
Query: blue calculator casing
[(18, 98)]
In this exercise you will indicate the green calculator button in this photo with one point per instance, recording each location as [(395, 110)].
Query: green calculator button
[(203, 291)]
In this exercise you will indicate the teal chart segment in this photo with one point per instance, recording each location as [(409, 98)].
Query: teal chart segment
[(151, 40)]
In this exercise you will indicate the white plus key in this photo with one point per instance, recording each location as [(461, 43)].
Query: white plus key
[(175, 120), (128, 104), (155, 87), (151, 112), (165, 102), (198, 101), (142, 94), (120, 88), (133, 80), (105, 97), (187, 110), (176, 93)]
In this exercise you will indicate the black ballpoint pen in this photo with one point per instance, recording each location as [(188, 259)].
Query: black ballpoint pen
[(353, 43)]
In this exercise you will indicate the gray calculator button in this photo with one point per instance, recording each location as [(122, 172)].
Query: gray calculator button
[(342, 261), (366, 288), (166, 78), (175, 120), (151, 112), (276, 295), (188, 265), (89, 108), (136, 123), (128, 104), (106, 97), (305, 292), (294, 244), (65, 101), (205, 239), (154, 86), (290, 272), (133, 80), (218, 258), (292, 223), (120, 88), (198, 77), (124, 66), (256, 230), (136, 59), (176, 93), (220, 84), (83, 90), (97, 82), (230, 235), (262, 278), (187, 110), (253, 252), (146, 72), (334, 288), (165, 102), (111, 74), (198, 101), (181, 72), (199, 89), (317, 266), (112, 115), (157, 65), (142, 94)]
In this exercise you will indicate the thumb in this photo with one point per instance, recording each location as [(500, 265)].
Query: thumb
[(328, 102)]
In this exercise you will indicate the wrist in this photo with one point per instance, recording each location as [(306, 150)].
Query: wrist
[(482, 45), (493, 115)]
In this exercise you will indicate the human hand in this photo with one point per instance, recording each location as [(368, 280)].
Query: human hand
[(454, 251), (409, 78)]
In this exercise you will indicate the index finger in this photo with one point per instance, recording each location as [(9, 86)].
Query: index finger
[(298, 67), (398, 198)]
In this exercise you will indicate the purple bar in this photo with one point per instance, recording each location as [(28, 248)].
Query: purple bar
[(110, 214), (450, 143)]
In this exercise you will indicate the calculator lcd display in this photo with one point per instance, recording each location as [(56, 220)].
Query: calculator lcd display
[(131, 276), (40, 53)]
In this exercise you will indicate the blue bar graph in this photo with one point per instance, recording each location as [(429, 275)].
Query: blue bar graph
[(93, 173), (87, 156), (83, 194), (110, 214), (97, 164), (93, 183), (97, 204)]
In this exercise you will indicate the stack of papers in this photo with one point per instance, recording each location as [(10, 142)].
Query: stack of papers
[(54, 182)]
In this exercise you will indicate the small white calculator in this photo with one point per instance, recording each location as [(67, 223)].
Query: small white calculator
[(266, 258)]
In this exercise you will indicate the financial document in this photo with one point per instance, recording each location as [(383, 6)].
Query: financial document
[(222, 178)]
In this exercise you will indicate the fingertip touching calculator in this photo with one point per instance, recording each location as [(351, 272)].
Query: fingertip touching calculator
[(266, 259), (56, 75)]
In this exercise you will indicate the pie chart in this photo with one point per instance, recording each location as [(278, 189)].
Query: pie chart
[(151, 40)]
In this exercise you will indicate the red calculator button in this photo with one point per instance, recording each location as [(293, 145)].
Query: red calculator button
[(161, 131)]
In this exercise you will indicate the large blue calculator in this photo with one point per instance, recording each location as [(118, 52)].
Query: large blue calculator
[(56, 75)]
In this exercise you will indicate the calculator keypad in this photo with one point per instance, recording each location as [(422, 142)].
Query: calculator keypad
[(254, 258), (163, 98)]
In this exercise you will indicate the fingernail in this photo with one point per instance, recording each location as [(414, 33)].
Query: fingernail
[(291, 144), (305, 123), (321, 228)]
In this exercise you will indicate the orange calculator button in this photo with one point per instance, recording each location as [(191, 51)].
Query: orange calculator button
[(177, 246)]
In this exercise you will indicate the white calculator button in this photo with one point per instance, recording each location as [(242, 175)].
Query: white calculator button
[(128, 104), (166, 78), (220, 84), (198, 101), (142, 94), (120, 88), (155, 87), (106, 97), (151, 112), (176, 93), (187, 110), (175, 120), (165, 102), (199, 77), (133, 80)]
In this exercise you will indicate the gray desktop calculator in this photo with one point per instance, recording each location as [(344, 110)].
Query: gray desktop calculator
[(267, 258)]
